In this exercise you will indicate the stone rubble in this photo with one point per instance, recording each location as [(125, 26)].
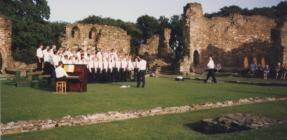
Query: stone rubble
[(36, 125), (234, 122)]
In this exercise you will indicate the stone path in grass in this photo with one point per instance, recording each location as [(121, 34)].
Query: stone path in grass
[(36, 125)]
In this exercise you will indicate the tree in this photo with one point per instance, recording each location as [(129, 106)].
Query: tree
[(176, 41), (25, 10), (149, 26), (30, 27)]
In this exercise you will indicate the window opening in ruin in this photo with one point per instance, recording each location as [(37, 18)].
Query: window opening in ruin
[(195, 58), (92, 33), (75, 32)]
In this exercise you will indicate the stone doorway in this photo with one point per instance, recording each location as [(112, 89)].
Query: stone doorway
[(196, 58)]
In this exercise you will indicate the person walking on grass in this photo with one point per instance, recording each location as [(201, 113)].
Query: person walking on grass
[(211, 70)]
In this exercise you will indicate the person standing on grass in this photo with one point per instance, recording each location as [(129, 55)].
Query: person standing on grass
[(40, 57), (266, 72), (211, 70), (142, 70), (277, 70)]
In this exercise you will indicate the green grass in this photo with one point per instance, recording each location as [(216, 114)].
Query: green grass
[(24, 103), (169, 127)]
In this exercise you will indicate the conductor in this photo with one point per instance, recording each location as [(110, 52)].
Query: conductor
[(142, 71)]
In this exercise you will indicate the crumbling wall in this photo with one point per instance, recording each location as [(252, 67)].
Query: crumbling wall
[(164, 49), (94, 36), (284, 42), (230, 40), (5, 43), (8, 63), (150, 48)]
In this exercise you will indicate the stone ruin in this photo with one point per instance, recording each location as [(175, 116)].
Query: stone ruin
[(234, 41), (158, 45), (7, 61), (234, 122), (158, 50), (95, 37)]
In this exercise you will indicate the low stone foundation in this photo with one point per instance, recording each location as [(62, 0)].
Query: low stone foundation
[(36, 125), (234, 122)]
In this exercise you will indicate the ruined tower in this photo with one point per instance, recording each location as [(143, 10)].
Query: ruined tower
[(5, 42), (235, 41)]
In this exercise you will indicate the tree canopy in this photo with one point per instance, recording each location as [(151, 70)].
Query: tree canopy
[(30, 27)]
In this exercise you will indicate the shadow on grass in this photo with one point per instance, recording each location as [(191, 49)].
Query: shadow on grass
[(211, 130)]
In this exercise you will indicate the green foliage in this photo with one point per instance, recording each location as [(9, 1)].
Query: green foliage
[(278, 11), (25, 10), (176, 40), (29, 27), (149, 26)]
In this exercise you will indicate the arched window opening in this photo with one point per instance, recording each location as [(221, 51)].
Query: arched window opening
[(195, 58), (75, 32)]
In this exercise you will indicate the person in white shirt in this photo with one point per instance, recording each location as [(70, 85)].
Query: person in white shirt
[(142, 71), (48, 67), (65, 59), (55, 59), (46, 54), (117, 70), (40, 57), (91, 69), (211, 70), (136, 68), (110, 70), (100, 71), (130, 68), (113, 55), (105, 71), (99, 56), (123, 70), (61, 74)]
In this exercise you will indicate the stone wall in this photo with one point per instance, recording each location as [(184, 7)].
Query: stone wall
[(5, 43), (96, 36), (164, 50), (228, 39), (8, 63), (150, 47), (284, 42)]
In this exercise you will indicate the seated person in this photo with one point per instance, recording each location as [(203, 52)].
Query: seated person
[(61, 74)]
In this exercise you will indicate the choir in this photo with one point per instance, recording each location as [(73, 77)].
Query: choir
[(103, 65)]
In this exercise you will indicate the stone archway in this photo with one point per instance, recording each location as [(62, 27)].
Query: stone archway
[(75, 32), (93, 33), (196, 58)]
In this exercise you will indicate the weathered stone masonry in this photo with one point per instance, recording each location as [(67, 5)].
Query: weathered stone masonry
[(229, 39), (94, 36), (5, 42)]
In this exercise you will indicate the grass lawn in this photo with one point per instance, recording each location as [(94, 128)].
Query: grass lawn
[(174, 127), (25, 103)]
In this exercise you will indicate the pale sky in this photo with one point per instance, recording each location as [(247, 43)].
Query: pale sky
[(130, 10)]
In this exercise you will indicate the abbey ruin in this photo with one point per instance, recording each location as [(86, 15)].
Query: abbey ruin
[(234, 41), (94, 36)]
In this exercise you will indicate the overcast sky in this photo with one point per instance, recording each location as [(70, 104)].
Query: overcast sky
[(130, 10)]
